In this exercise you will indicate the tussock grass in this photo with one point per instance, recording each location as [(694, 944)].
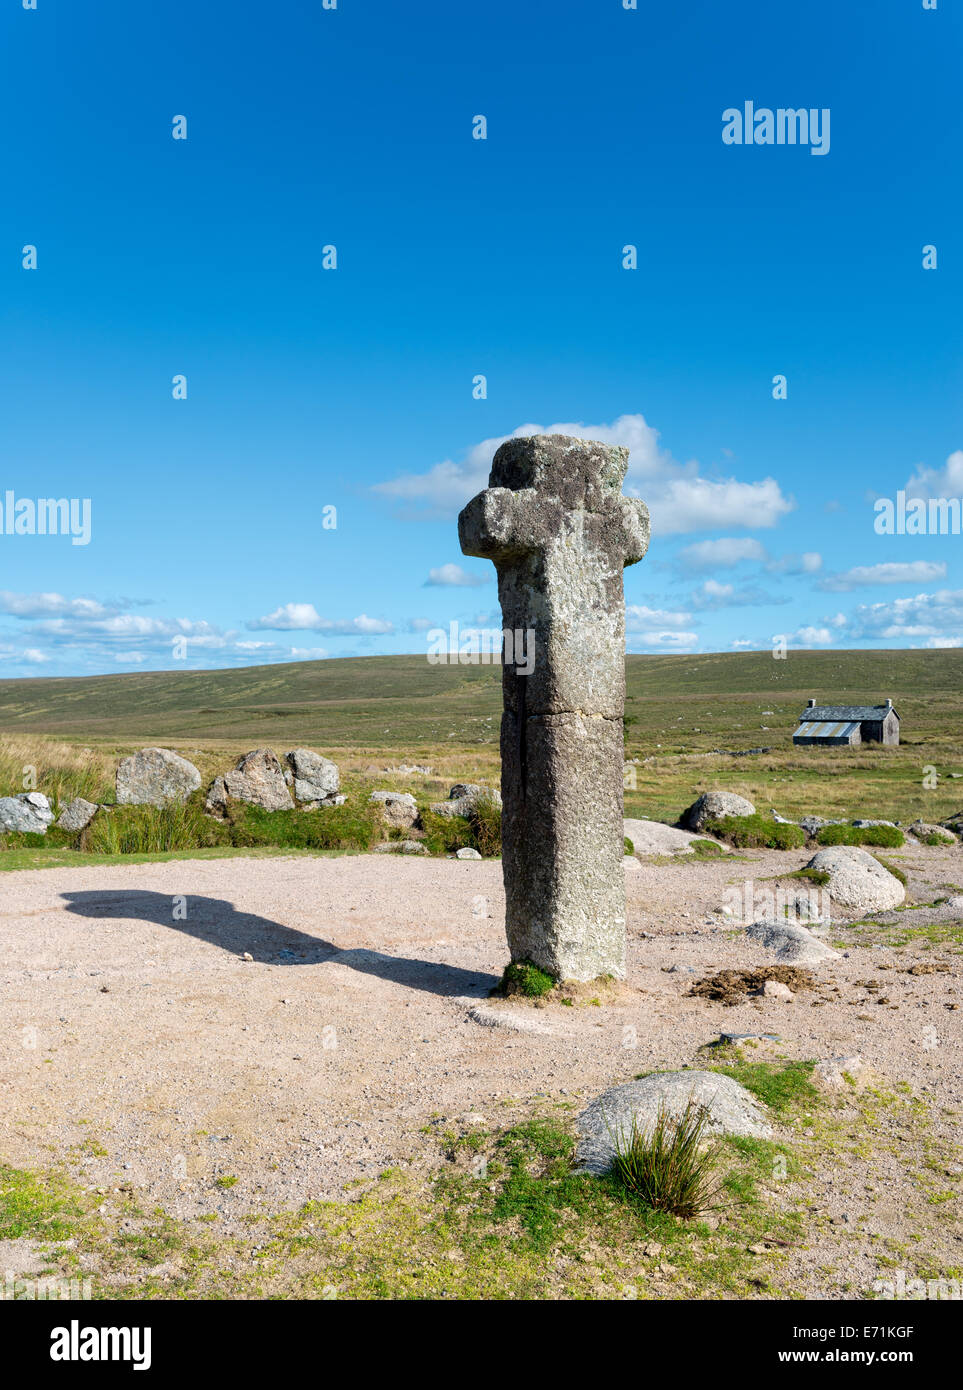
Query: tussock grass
[(146, 830), (670, 1168), (482, 830), (60, 770), (160, 830)]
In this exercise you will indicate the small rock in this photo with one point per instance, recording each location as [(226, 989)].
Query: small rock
[(924, 831), (740, 1039), (29, 813), (830, 1074), (857, 879), (729, 1107), (467, 853), (464, 797), (316, 779), (653, 837), (77, 815), (398, 809), (154, 777), (790, 943), (775, 989), (257, 779), (713, 805), (812, 824)]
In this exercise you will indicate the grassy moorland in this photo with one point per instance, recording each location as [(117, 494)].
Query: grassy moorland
[(372, 713)]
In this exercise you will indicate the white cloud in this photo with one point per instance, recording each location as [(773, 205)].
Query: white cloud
[(937, 615), (813, 637), (701, 504), (712, 594), (453, 576), (893, 572), (938, 482), (128, 627), (308, 653), (304, 617), (672, 641), (639, 618), (722, 554), (52, 606), (31, 656), (678, 498), (809, 562), (290, 617)]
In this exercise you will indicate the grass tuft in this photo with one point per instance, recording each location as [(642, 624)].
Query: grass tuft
[(669, 1168)]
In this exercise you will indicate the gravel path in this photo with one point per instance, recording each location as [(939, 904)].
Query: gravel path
[(133, 1024)]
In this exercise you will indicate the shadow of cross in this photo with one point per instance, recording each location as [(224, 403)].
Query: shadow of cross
[(554, 522), (221, 924)]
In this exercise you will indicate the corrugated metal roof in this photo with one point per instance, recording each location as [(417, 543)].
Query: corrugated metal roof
[(838, 712), (822, 728)]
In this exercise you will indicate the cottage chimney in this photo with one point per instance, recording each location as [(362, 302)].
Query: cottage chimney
[(810, 704), (889, 705)]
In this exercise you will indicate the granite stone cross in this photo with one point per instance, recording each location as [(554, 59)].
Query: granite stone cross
[(555, 523)]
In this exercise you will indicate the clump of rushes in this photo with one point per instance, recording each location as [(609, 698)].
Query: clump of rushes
[(521, 977), (486, 824), (669, 1168)]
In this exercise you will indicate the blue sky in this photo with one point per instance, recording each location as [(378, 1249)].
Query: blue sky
[(352, 388)]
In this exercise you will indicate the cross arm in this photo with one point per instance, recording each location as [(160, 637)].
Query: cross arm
[(634, 518), (499, 522)]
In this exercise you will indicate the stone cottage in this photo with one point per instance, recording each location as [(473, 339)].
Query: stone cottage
[(842, 725)]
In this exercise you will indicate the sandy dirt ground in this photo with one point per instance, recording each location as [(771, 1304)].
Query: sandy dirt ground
[(138, 1043)]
